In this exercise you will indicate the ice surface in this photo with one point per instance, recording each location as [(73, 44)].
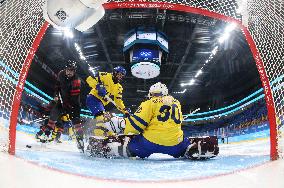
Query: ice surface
[(65, 157)]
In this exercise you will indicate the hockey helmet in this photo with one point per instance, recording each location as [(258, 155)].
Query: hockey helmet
[(119, 69), (158, 89), (71, 65), (118, 73)]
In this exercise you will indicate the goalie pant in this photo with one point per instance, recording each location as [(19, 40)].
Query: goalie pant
[(138, 146)]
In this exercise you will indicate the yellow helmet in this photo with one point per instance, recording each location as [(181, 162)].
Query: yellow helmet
[(65, 117)]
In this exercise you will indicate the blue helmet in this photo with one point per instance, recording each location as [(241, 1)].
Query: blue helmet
[(119, 69)]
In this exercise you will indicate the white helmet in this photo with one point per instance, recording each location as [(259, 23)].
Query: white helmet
[(158, 88)]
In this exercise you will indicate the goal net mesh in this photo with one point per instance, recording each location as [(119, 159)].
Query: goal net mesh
[(21, 20)]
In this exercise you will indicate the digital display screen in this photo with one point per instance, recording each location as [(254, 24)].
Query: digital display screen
[(144, 54), (130, 39), (147, 36), (163, 42)]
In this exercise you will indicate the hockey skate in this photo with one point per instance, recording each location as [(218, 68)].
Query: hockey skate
[(41, 138), (80, 143), (202, 148)]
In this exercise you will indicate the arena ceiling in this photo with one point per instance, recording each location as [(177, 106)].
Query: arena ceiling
[(229, 76)]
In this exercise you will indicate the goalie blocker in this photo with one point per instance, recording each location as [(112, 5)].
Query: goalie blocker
[(201, 148)]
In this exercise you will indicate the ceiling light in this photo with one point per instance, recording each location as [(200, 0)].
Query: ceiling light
[(179, 92), (198, 73), (141, 91), (68, 33), (214, 51), (188, 84), (90, 46), (82, 57), (230, 27), (224, 37), (91, 55), (79, 51), (227, 31)]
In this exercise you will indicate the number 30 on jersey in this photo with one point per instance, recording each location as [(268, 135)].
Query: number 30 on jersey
[(169, 112)]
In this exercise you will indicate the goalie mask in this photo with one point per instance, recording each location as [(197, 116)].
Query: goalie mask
[(158, 89)]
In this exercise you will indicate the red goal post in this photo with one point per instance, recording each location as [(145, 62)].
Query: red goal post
[(22, 28)]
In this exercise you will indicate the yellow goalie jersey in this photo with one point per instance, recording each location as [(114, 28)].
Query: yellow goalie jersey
[(159, 122), (114, 91)]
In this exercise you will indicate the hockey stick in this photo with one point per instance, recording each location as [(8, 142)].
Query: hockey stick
[(34, 121), (79, 142), (110, 100), (113, 102), (60, 98), (39, 120)]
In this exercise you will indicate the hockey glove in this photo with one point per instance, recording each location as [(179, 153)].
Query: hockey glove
[(101, 90), (67, 124)]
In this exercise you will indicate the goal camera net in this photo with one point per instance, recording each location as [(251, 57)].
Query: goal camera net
[(262, 21)]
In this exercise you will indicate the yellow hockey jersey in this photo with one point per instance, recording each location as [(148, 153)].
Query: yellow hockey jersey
[(158, 120), (114, 91)]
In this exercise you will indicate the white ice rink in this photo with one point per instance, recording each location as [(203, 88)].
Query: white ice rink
[(18, 173)]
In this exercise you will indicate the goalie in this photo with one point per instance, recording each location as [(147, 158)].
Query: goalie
[(155, 128)]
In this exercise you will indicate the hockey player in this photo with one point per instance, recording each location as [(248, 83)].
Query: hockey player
[(159, 122), (155, 128), (63, 123), (68, 89), (106, 89)]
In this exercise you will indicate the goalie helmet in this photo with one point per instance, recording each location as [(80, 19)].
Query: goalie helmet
[(158, 89)]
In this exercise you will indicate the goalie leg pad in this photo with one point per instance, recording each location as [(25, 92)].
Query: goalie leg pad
[(111, 146), (202, 148)]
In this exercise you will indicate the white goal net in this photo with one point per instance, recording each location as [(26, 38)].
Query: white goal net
[(22, 26)]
